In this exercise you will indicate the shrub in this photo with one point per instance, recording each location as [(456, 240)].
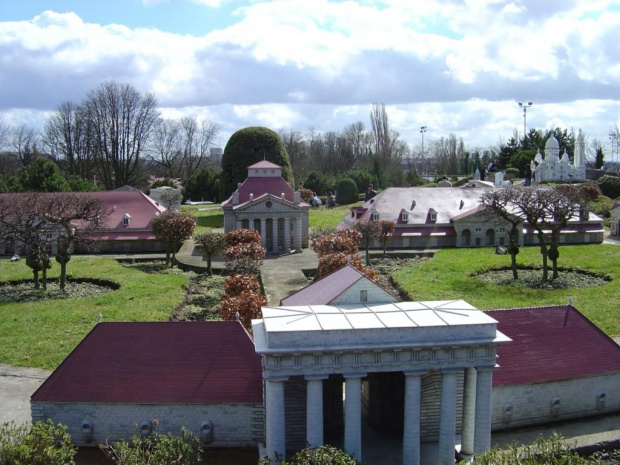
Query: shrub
[(334, 261), (239, 283), (211, 244), (43, 444), (156, 449), (513, 171), (346, 191), (321, 455), (346, 241), (610, 186), (173, 228), (246, 147), (319, 182), (248, 304), (306, 195)]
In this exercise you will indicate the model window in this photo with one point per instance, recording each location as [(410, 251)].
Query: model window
[(433, 216), (364, 296)]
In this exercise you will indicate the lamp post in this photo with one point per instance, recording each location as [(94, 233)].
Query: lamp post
[(613, 137), (422, 131), (525, 106)]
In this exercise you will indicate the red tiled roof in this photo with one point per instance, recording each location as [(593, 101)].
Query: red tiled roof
[(159, 363), (326, 289), (263, 185), (551, 344)]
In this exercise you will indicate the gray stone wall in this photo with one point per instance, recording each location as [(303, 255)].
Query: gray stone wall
[(533, 404), (234, 425)]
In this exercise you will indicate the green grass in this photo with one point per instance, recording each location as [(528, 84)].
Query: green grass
[(207, 216), (319, 218), (448, 276), (41, 334), (322, 217)]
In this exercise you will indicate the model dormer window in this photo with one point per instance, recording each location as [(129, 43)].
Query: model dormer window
[(96, 221), (404, 216), (375, 216), (432, 215), (126, 219)]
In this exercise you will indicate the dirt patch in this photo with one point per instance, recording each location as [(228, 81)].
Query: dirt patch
[(24, 291), (531, 278)]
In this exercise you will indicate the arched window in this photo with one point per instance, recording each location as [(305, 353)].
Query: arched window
[(490, 236), (466, 238)]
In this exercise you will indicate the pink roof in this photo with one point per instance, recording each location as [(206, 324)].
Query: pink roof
[(264, 164), (262, 185), (326, 289), (551, 344), (139, 206), (159, 363)]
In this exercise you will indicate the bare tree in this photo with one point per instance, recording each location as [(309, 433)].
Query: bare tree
[(562, 206), (123, 121), (77, 218), (68, 135), (165, 147), (22, 221), (24, 141), (196, 138), (499, 203), (5, 132)]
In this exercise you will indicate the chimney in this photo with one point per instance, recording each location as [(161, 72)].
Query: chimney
[(297, 198)]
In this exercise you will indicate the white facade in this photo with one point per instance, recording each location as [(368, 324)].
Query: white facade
[(352, 342), (556, 167)]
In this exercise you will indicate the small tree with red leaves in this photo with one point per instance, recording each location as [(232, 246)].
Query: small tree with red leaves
[(306, 195), (346, 241), (369, 230), (239, 283), (247, 304), (173, 228), (334, 261), (386, 228), (244, 251)]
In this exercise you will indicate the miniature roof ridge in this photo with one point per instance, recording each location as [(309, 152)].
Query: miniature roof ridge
[(265, 164)]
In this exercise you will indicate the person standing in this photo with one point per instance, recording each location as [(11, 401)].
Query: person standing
[(370, 193), (528, 175)]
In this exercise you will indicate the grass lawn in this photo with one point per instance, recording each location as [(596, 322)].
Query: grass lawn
[(41, 334), (322, 217), (448, 276), (207, 216)]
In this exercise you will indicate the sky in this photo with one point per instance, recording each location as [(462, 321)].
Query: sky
[(454, 66)]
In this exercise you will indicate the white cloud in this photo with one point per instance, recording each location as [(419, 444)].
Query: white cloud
[(453, 66)]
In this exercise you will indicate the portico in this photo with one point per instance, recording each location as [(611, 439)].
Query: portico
[(266, 203), (449, 342)]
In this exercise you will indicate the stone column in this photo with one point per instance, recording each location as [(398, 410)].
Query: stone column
[(353, 415), (447, 417), (469, 413), (274, 422), (482, 435), (314, 410), (287, 235), (274, 230), (239, 224), (251, 224), (263, 233), (411, 434)]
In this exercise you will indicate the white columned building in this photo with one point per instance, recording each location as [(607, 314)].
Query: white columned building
[(326, 346), (267, 203)]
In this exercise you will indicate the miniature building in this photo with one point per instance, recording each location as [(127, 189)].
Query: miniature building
[(202, 376), (554, 167), (560, 366), (267, 203), (614, 221), (453, 217), (428, 348), (128, 227)]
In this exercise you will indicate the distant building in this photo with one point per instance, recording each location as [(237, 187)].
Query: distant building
[(128, 228), (452, 217), (554, 167), (267, 203)]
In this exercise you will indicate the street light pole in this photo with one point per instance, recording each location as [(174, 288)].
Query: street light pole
[(525, 106), (422, 131), (613, 136)]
